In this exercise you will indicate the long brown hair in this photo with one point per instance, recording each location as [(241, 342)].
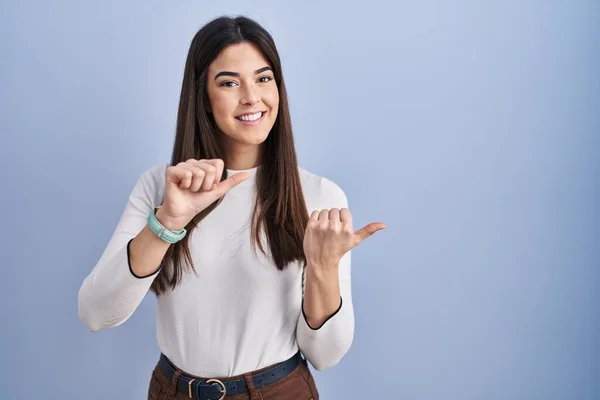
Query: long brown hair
[(280, 207)]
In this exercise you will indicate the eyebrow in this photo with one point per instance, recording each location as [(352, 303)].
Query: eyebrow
[(228, 73)]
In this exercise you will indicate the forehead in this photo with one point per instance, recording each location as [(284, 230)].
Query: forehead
[(242, 57)]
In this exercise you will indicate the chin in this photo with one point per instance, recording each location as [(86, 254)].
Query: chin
[(252, 136), (245, 138), (258, 139)]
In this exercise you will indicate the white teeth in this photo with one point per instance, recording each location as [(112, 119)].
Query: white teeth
[(251, 117)]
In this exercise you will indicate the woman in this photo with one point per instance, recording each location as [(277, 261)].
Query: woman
[(232, 322)]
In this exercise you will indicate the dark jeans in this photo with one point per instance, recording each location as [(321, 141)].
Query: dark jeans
[(298, 385)]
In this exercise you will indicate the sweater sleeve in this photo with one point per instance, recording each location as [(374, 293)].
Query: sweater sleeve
[(325, 346), (111, 292)]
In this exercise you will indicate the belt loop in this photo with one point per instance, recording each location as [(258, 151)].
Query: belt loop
[(252, 392), (174, 382)]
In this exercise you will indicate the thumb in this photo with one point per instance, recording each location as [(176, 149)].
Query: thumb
[(231, 182), (367, 231)]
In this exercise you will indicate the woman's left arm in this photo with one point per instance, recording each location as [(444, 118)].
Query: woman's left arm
[(325, 327)]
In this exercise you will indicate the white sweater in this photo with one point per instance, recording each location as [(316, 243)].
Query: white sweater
[(239, 313)]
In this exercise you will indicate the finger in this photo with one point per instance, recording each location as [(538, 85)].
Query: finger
[(231, 182), (368, 230), (209, 177), (324, 215), (346, 216), (313, 220), (179, 175), (174, 175), (334, 217), (210, 172), (314, 216), (219, 165), (198, 176)]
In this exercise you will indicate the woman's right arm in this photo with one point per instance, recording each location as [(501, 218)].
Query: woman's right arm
[(118, 283), (131, 261)]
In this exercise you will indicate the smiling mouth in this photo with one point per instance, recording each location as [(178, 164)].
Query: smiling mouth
[(251, 117)]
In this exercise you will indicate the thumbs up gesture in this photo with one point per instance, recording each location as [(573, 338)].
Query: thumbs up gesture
[(329, 235)]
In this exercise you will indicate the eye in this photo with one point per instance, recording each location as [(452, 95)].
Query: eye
[(227, 84), (265, 79)]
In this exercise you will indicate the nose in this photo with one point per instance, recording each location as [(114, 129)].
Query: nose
[(250, 96)]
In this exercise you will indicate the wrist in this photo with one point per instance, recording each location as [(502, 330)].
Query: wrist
[(323, 274), (328, 268), (173, 224)]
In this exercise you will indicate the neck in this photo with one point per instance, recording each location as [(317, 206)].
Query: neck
[(243, 157), (239, 165)]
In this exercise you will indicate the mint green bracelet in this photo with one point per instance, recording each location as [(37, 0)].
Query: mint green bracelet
[(162, 232)]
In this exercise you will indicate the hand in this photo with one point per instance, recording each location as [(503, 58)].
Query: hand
[(329, 235), (190, 187)]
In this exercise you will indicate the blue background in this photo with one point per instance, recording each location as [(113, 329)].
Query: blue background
[(472, 129)]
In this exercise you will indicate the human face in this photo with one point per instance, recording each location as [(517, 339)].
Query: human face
[(243, 95)]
